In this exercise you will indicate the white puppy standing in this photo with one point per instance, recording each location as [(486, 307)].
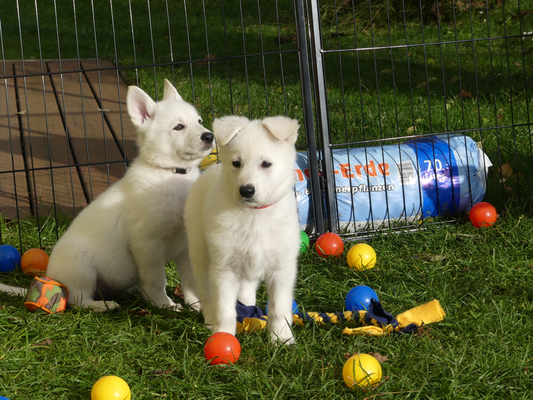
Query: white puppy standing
[(241, 221), (125, 236)]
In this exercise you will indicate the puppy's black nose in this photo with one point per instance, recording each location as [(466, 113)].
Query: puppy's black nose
[(247, 191), (207, 137)]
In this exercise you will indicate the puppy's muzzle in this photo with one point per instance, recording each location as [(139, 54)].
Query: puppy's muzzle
[(207, 137), (247, 191)]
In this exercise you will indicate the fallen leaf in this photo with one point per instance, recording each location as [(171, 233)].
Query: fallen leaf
[(159, 372), (207, 57), (506, 170), (422, 330), (465, 94), (178, 292), (139, 312), (45, 342), (285, 39), (379, 357), (437, 258)]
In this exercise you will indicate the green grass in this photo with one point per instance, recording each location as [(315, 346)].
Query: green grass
[(482, 278)]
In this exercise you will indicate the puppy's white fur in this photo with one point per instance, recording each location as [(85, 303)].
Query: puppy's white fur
[(239, 237), (125, 236)]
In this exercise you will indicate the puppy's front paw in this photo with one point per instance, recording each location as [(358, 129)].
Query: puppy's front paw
[(101, 306), (176, 307), (282, 335), (286, 340)]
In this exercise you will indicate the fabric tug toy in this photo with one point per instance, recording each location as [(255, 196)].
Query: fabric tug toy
[(375, 321), (47, 295)]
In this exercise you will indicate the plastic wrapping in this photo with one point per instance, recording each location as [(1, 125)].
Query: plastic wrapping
[(425, 177)]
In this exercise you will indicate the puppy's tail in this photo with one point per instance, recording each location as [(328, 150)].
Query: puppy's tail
[(13, 290)]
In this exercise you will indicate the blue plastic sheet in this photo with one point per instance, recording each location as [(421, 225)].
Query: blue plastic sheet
[(425, 177)]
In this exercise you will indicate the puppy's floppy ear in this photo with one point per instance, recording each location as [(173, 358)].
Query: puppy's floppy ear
[(170, 92), (226, 128), (282, 128), (141, 107)]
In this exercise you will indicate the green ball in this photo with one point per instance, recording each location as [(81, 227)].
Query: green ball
[(304, 242)]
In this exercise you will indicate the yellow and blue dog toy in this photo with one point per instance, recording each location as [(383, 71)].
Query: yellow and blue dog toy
[(375, 321)]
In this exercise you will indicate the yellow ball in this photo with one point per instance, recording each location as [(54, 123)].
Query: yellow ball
[(362, 370), (208, 160), (361, 257), (111, 388)]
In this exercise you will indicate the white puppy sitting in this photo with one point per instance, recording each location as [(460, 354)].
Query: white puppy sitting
[(241, 221), (125, 236)]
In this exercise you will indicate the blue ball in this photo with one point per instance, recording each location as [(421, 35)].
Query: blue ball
[(9, 258), (3, 398), (358, 298), (294, 308)]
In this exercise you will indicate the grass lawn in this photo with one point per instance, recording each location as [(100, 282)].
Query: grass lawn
[(483, 278)]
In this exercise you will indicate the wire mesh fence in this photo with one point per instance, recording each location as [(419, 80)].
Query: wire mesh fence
[(415, 101), (369, 82)]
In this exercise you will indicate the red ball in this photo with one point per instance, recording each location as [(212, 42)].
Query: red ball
[(329, 245), (222, 348), (483, 214)]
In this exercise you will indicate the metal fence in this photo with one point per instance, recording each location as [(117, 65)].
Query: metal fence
[(372, 84)]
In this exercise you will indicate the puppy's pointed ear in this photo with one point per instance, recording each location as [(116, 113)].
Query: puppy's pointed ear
[(141, 107), (170, 92), (226, 128), (282, 128)]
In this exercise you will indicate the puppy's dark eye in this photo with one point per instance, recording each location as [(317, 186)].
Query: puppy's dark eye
[(266, 164), (179, 127), (236, 164), (200, 121)]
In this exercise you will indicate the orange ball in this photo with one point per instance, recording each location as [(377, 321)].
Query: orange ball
[(329, 245), (34, 262)]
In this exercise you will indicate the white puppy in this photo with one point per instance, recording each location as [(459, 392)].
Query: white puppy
[(241, 221), (125, 236)]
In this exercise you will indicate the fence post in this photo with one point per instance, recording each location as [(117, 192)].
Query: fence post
[(308, 112), (321, 104)]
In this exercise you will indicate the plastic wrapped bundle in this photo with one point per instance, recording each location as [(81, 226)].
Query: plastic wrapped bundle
[(425, 177)]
